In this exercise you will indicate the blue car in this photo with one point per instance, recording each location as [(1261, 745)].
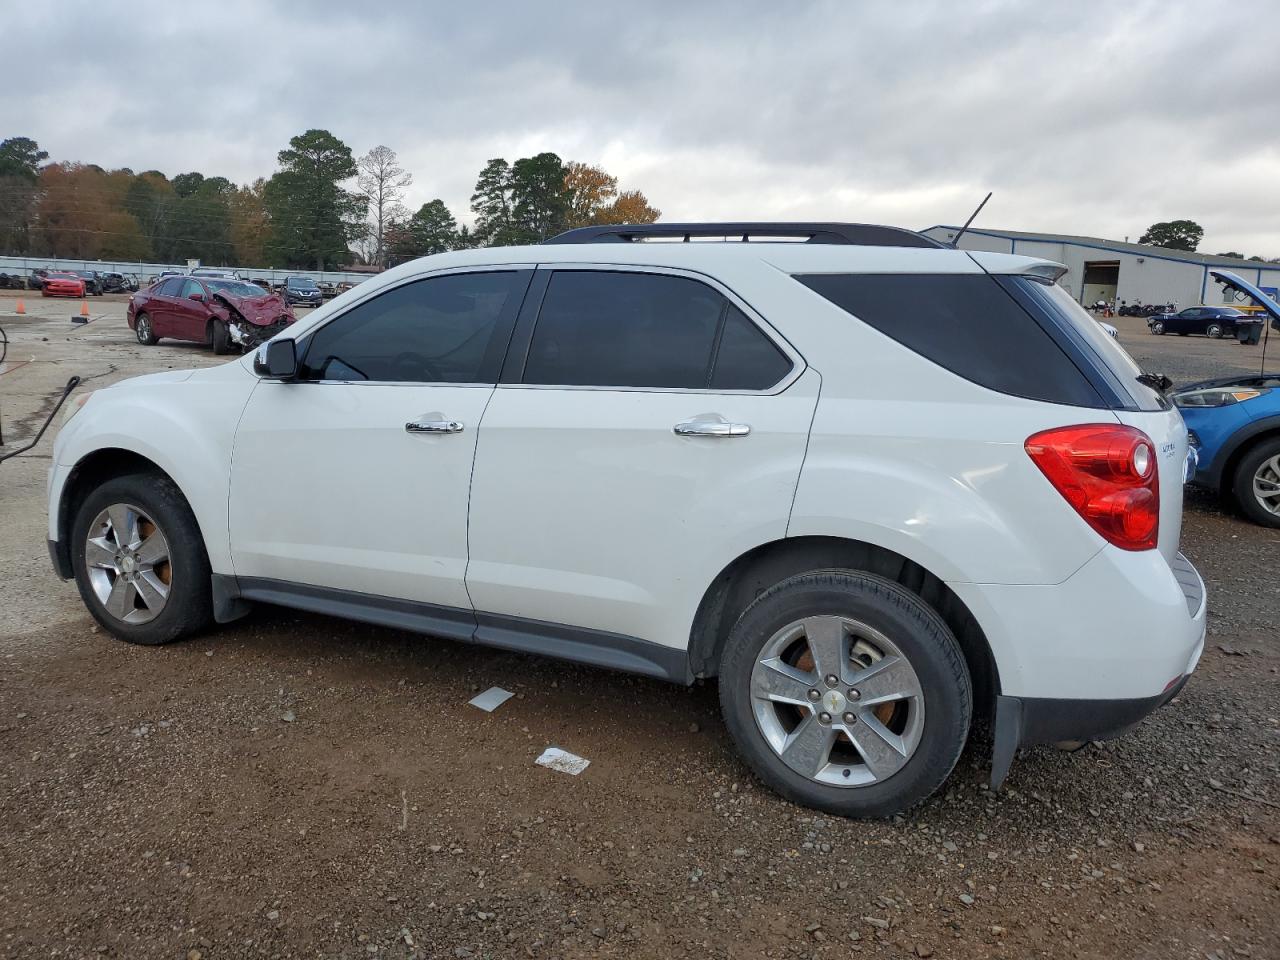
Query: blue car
[(1235, 427)]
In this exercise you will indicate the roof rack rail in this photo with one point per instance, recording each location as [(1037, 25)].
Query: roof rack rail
[(859, 234)]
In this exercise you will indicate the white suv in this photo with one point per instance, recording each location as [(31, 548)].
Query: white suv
[(881, 488)]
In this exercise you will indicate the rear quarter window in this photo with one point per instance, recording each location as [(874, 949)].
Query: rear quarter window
[(965, 323)]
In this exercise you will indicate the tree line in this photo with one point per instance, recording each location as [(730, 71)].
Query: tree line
[(322, 208)]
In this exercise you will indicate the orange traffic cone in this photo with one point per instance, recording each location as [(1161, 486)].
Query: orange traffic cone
[(84, 308), (22, 308)]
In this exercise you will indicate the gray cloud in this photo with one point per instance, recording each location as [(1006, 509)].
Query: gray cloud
[(1085, 117)]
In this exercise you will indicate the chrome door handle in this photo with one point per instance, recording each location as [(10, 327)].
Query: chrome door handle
[(711, 425), (433, 426)]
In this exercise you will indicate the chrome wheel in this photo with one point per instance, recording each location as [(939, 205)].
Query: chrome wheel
[(143, 329), (1266, 485), (837, 701), (1157, 328), (126, 557), (1214, 331)]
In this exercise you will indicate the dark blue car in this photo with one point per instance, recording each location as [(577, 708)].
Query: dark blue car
[(1235, 427)]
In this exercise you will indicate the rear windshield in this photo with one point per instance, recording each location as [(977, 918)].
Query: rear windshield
[(1104, 347), (966, 323)]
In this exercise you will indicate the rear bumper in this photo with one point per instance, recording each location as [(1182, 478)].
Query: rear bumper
[(1170, 647), (1122, 627), (1022, 722)]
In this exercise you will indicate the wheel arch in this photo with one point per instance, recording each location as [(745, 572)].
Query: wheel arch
[(755, 571), (1239, 445), (91, 471)]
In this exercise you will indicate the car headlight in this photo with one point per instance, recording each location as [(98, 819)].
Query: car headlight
[(73, 406), (1216, 396)]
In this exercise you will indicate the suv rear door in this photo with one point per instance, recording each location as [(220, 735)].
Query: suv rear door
[(646, 431)]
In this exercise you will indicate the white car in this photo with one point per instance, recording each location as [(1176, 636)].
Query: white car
[(879, 487)]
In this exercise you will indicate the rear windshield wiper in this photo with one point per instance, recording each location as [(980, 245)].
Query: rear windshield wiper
[(1156, 381)]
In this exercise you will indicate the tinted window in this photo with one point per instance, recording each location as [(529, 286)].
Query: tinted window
[(965, 323), (624, 330), (189, 287), (747, 359), (439, 330), (598, 328), (169, 288)]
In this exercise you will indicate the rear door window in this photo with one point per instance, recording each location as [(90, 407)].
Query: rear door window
[(646, 330), (967, 324), (746, 358)]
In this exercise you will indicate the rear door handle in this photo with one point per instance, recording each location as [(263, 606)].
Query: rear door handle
[(433, 426), (710, 425)]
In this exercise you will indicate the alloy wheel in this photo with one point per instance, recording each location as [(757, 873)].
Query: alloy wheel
[(837, 701), (144, 329), (1266, 485), (127, 561)]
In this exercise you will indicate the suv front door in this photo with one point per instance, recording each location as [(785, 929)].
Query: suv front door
[(646, 431), (355, 477)]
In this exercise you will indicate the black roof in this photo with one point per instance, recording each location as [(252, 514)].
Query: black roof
[(860, 234)]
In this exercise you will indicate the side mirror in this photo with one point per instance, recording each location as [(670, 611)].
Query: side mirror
[(198, 297), (276, 360)]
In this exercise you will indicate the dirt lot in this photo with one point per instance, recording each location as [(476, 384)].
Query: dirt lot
[(293, 786)]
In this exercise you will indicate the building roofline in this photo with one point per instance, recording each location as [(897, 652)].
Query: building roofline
[(1116, 246)]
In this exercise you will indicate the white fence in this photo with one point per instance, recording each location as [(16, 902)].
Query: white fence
[(145, 272)]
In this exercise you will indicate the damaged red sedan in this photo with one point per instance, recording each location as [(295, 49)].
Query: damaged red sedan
[(226, 314)]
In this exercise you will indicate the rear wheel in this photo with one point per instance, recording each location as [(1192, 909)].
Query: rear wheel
[(139, 560), (1157, 327), (144, 331), (1256, 487), (846, 692), (1214, 331)]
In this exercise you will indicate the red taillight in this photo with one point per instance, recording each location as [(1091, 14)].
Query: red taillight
[(1107, 472)]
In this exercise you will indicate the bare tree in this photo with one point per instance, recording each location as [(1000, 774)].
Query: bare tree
[(382, 181)]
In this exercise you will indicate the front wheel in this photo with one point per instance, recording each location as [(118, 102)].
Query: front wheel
[(1257, 483), (1157, 328), (219, 337), (846, 692), (139, 560)]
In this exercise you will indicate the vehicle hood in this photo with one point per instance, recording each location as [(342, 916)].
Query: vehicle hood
[(153, 379), (261, 311), (1233, 282), (1247, 380)]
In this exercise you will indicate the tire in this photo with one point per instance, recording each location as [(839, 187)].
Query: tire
[(1258, 468), (1157, 327), (867, 611), (149, 504), (144, 331), (1213, 331), (219, 337)]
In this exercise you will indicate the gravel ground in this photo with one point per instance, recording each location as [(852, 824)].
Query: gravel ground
[(296, 786)]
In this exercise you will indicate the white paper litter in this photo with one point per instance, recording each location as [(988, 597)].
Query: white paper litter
[(491, 699), (562, 760)]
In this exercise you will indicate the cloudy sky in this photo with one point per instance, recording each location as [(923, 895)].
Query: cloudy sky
[(1090, 118)]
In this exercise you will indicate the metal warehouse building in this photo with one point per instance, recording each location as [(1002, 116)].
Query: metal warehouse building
[(1112, 270)]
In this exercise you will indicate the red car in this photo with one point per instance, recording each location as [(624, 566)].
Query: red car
[(62, 285), (221, 312)]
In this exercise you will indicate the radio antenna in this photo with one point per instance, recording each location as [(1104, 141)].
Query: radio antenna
[(955, 241)]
